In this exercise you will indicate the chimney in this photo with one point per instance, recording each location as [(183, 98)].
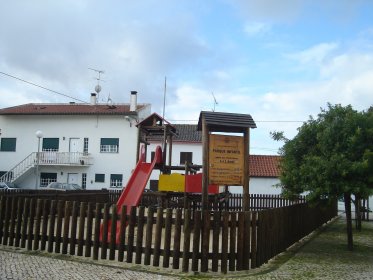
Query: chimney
[(93, 99), (133, 101)]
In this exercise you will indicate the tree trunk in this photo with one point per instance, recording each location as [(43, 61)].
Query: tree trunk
[(358, 211), (347, 199)]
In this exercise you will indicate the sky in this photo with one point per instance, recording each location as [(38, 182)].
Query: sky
[(279, 61)]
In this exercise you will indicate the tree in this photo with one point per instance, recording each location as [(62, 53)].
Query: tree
[(331, 156)]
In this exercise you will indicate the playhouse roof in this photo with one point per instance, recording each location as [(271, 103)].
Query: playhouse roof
[(154, 125), (226, 122)]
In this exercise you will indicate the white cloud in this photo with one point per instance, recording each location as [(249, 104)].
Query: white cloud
[(316, 54)]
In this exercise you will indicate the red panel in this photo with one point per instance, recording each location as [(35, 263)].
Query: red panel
[(193, 184)]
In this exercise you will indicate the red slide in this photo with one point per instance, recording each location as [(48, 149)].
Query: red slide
[(135, 186)]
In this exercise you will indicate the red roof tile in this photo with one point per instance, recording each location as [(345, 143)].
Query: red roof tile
[(264, 166), (68, 109)]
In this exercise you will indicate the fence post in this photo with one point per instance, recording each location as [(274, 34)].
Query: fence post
[(149, 233), (113, 232), (232, 242), (96, 241), (196, 240), (185, 263), (215, 241), (167, 238), (19, 221), (158, 236), (39, 207), (122, 232), (88, 236), (66, 226), (205, 240), (177, 238), (59, 226), (52, 213), (12, 221), (6, 218), (83, 208), (140, 233), (73, 228)]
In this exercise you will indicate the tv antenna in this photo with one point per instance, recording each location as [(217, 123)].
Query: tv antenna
[(215, 102), (99, 72)]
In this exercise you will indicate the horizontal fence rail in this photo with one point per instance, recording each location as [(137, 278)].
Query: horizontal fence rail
[(222, 201), (182, 239)]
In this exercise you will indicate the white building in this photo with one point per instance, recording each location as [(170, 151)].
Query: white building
[(93, 144)]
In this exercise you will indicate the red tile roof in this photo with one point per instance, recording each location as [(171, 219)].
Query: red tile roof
[(264, 166), (68, 109)]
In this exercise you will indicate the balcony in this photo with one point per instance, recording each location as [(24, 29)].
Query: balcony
[(64, 158)]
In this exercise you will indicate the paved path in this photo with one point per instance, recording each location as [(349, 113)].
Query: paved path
[(16, 265), (322, 256)]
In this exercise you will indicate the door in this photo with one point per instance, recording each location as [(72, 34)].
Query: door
[(74, 149), (72, 178), (74, 145)]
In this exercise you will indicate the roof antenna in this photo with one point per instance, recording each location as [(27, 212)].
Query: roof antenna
[(109, 101), (98, 87), (215, 102)]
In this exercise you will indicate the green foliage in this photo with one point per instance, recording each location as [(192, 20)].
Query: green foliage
[(331, 155)]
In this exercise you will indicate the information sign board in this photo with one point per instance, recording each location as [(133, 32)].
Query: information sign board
[(226, 160)]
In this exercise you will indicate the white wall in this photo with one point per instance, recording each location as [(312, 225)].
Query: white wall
[(259, 186)]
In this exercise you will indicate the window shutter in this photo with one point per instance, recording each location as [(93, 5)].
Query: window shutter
[(8, 144)]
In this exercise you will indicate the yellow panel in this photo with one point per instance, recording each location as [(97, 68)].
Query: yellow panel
[(171, 183)]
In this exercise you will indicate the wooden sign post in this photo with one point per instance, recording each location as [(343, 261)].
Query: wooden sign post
[(225, 157)]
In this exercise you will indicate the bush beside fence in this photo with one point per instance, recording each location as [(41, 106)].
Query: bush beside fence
[(178, 238)]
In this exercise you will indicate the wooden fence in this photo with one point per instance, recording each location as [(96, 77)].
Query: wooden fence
[(183, 239), (222, 201)]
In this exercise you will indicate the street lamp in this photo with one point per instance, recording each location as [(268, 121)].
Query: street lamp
[(39, 135)]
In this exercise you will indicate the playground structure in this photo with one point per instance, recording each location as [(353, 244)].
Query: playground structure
[(191, 181)]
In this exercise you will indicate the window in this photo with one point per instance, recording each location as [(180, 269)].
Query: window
[(8, 145), (152, 155), (100, 178), (51, 144), (84, 181), (47, 178), (186, 156), (116, 180), (85, 147), (109, 145)]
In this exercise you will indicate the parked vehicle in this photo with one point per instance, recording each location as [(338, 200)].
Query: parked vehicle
[(8, 186), (63, 186)]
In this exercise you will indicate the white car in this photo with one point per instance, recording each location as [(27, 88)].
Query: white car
[(8, 186), (63, 186)]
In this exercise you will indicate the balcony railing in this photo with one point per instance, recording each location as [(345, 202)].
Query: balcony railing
[(64, 158)]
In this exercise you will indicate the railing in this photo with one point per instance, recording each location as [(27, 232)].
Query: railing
[(19, 169), (46, 158), (64, 158)]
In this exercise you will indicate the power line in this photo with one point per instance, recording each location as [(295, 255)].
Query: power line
[(36, 85), (255, 121)]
